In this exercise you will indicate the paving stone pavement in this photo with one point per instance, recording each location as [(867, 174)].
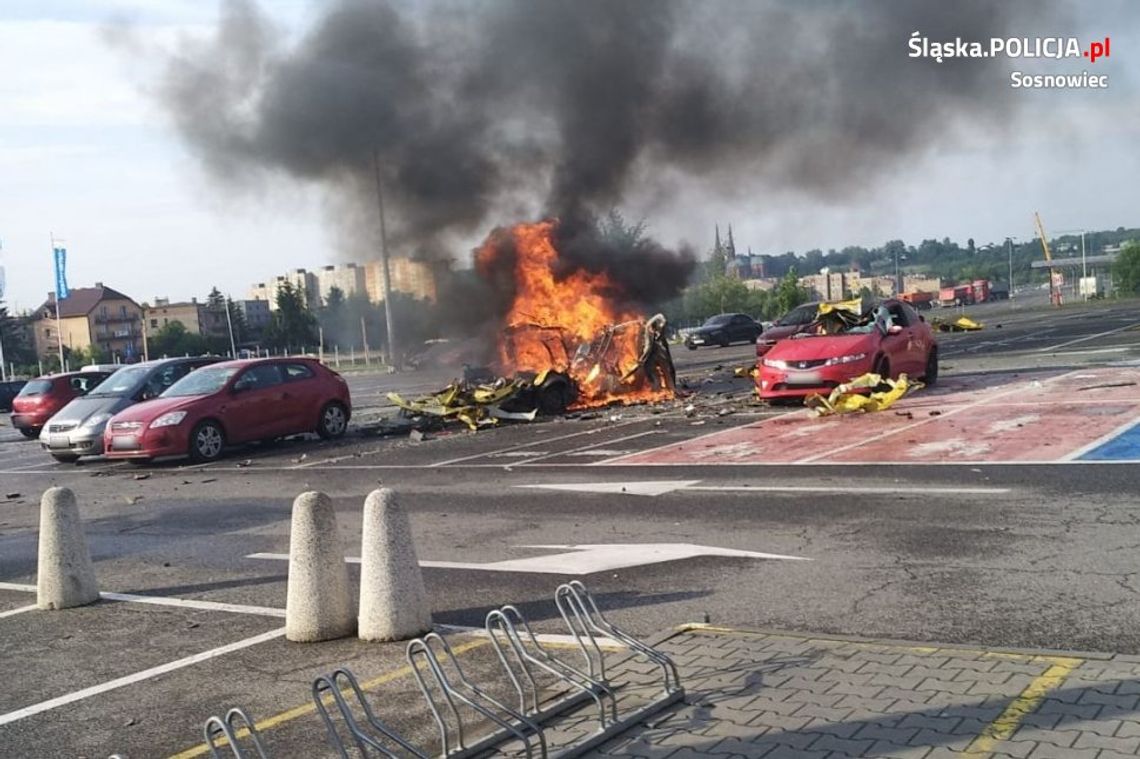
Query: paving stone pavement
[(771, 695)]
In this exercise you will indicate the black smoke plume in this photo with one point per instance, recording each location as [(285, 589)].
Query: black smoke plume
[(483, 112)]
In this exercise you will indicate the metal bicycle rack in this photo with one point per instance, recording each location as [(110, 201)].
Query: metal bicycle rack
[(588, 622), (227, 727), (449, 692), (334, 686)]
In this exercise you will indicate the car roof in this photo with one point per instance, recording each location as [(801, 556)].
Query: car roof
[(241, 363)]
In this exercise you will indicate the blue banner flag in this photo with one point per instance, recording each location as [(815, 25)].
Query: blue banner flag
[(60, 273)]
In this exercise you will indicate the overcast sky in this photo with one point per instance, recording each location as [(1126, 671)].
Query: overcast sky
[(87, 155)]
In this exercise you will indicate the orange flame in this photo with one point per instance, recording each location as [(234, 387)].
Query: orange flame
[(553, 316)]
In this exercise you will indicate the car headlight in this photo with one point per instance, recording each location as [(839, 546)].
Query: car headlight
[(848, 359), (95, 421), (169, 419), (775, 363)]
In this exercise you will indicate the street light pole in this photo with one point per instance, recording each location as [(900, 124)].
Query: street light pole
[(384, 263), (1084, 269), (1009, 242), (230, 323)]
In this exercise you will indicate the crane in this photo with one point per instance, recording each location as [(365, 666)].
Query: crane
[(1054, 274)]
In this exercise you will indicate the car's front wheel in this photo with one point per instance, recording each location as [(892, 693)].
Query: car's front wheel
[(207, 441), (65, 458), (29, 432), (333, 421), (931, 375)]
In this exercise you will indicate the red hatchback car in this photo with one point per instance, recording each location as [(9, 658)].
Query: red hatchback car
[(815, 363), (43, 396), (232, 402)]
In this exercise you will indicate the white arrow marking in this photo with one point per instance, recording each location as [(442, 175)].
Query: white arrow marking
[(649, 487), (586, 559), (661, 487)]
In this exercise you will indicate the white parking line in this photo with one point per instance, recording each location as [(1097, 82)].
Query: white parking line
[(182, 603), (1087, 338), (575, 451), (545, 441), (20, 610), (137, 677), (189, 603)]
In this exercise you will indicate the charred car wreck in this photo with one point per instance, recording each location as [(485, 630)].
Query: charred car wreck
[(556, 372)]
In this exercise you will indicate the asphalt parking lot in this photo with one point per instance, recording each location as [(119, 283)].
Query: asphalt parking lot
[(995, 510)]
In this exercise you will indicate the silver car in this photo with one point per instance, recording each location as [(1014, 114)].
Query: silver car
[(77, 429)]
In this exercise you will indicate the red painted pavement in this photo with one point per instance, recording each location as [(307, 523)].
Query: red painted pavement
[(1001, 418)]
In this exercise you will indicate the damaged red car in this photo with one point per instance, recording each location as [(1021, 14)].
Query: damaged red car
[(846, 341)]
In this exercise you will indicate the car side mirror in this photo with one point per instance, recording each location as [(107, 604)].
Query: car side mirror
[(894, 329), (921, 318), (240, 387)]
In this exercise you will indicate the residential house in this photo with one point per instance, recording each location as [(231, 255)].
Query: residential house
[(97, 316)]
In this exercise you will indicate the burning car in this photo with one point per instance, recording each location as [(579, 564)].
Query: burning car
[(847, 340), (567, 341), (579, 375)]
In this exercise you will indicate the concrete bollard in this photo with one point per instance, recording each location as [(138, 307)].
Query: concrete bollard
[(66, 576), (393, 601), (318, 605)]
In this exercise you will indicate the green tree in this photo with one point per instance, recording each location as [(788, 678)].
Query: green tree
[(293, 325), (789, 294), (175, 340), (242, 332), (333, 319), (1126, 269), (16, 337)]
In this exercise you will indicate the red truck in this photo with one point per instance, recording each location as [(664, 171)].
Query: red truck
[(978, 291), (960, 295), (922, 301)]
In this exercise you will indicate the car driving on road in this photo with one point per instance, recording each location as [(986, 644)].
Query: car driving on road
[(77, 429), (890, 340), (229, 403), (724, 329)]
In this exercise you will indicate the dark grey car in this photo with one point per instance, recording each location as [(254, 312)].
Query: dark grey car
[(77, 429)]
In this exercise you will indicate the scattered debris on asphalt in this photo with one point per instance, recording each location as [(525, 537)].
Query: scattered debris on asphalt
[(851, 397), (142, 476), (11, 496)]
